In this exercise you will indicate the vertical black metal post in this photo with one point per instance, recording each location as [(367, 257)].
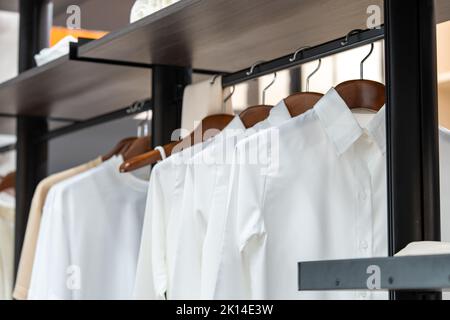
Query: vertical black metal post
[(31, 168), (296, 80), (35, 23), (168, 85), (412, 127)]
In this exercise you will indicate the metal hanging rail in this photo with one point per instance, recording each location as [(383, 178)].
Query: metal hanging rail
[(307, 55), (135, 108)]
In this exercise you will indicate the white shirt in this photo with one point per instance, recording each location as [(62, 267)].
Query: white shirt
[(317, 192), (203, 209), (162, 224), (90, 235)]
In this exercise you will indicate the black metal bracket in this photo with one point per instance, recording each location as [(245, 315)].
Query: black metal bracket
[(323, 50), (135, 108), (392, 273), (74, 55)]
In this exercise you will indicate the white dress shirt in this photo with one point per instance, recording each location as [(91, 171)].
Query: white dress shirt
[(162, 224), (316, 192), (203, 209), (90, 235)]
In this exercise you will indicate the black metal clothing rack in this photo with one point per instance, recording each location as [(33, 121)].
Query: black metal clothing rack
[(412, 127)]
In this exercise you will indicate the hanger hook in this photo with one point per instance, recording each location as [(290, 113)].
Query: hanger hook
[(267, 88), (213, 80), (230, 95), (364, 60), (294, 57), (312, 74), (252, 68), (227, 98), (347, 37)]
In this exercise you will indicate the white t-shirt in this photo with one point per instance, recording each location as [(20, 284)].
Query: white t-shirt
[(90, 236)]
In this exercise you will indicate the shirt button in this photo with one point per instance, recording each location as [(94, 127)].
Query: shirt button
[(362, 196), (363, 245)]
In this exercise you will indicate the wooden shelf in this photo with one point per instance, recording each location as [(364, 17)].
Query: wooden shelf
[(230, 35), (73, 90)]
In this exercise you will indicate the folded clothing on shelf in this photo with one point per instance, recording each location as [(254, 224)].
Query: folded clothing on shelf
[(58, 50), (423, 248), (143, 8)]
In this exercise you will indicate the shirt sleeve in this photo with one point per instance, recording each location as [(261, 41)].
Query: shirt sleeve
[(241, 273), (197, 193), (53, 276), (158, 208), (151, 282), (144, 287)]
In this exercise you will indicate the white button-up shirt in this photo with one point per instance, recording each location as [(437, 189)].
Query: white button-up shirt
[(204, 207), (316, 192), (154, 277)]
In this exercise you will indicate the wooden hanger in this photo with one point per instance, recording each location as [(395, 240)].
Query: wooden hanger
[(8, 182), (362, 93), (249, 117), (214, 122), (139, 146), (120, 147), (254, 115), (301, 102)]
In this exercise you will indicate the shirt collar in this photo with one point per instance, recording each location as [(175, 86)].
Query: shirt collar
[(234, 128), (341, 126), (278, 114), (377, 129), (235, 124)]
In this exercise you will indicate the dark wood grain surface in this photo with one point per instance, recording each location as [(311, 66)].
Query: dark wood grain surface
[(231, 34), (75, 90)]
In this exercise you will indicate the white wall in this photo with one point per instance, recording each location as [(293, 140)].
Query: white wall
[(9, 44), (9, 48)]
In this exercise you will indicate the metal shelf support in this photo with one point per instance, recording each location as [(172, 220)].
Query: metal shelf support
[(74, 55), (412, 125)]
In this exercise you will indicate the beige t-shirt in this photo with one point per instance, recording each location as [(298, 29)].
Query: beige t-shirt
[(6, 249), (34, 220)]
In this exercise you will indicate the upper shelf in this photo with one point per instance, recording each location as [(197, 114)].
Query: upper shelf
[(74, 90), (230, 35)]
